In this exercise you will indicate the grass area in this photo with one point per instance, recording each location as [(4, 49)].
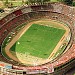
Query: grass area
[(38, 41), (17, 3), (51, 23), (13, 48)]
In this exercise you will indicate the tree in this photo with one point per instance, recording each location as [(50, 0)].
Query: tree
[(46, 0), (60, 0), (68, 2), (6, 3), (26, 2), (36, 1), (23, 2)]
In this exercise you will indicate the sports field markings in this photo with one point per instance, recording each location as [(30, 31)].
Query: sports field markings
[(14, 40), (60, 42), (7, 48), (38, 41), (51, 23), (50, 26)]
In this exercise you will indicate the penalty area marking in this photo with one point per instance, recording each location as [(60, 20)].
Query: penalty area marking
[(41, 61)]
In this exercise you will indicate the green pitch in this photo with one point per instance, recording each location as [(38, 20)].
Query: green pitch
[(38, 41)]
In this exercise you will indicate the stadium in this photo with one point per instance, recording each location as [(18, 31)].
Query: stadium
[(38, 39)]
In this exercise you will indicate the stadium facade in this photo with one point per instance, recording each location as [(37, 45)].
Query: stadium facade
[(26, 14)]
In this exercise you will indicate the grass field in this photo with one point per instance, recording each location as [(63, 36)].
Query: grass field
[(38, 41)]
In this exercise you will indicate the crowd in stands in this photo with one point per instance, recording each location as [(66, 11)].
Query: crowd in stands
[(55, 11)]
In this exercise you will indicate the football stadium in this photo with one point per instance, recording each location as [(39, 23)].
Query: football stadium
[(37, 38)]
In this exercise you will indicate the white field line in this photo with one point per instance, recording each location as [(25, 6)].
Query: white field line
[(21, 58)]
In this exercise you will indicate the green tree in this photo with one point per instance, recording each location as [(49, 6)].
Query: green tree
[(6, 3), (60, 0), (27, 2), (68, 2), (36, 1), (46, 0)]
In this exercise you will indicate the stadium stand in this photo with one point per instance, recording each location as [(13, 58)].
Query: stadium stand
[(55, 11)]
